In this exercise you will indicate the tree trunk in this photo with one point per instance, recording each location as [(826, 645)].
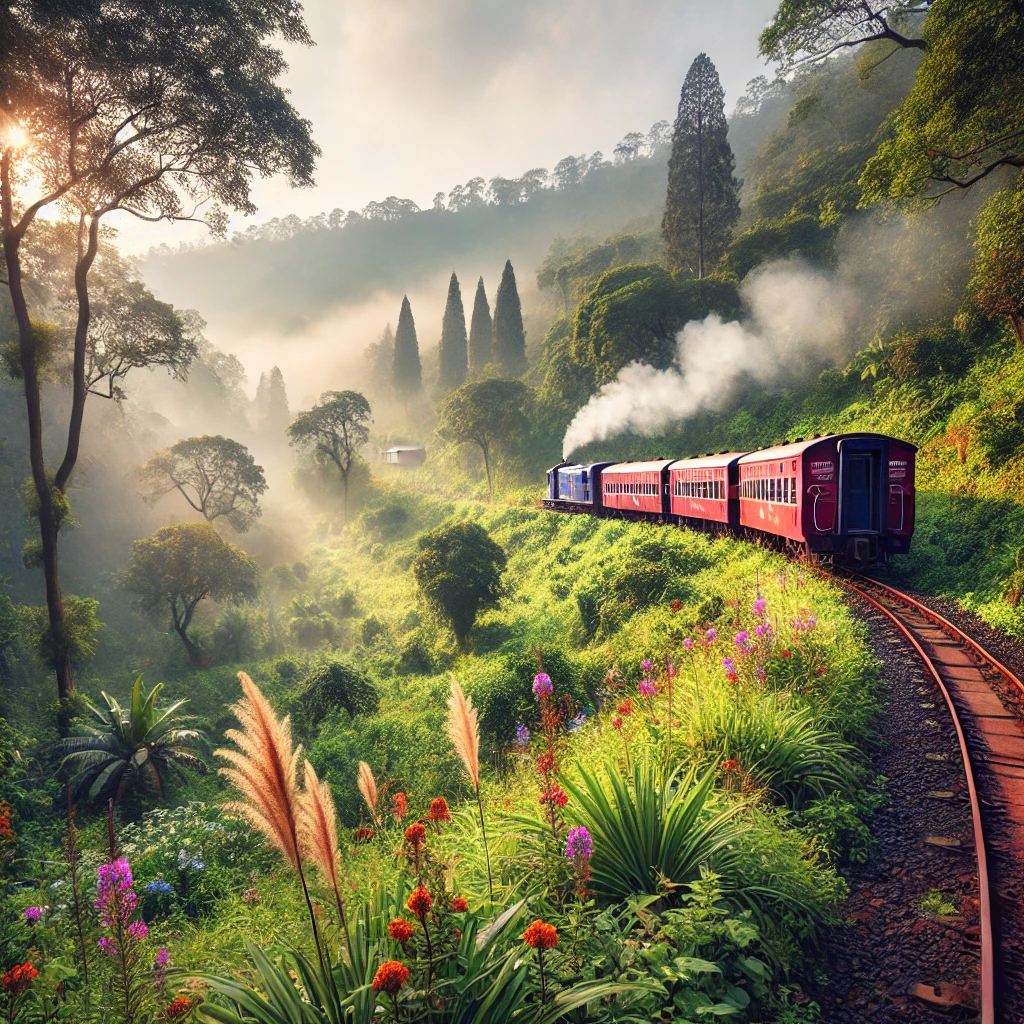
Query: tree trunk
[(193, 656), (487, 467), (48, 525)]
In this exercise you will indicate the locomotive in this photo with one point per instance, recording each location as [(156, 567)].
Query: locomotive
[(840, 497)]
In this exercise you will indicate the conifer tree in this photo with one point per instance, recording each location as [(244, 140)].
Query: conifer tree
[(480, 329), (407, 371), (379, 363), (452, 352), (272, 415), (703, 202), (509, 336)]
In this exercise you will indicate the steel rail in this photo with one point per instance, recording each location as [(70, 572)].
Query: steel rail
[(988, 1013)]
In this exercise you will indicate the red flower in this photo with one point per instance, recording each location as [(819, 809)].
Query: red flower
[(555, 795), (178, 1007), (415, 834), (400, 930), (787, 654), (821, 670), (730, 766), (419, 903), (439, 810), (616, 723), (19, 978), (400, 808), (626, 707), (546, 762), (540, 935), (364, 835), (732, 677), (390, 977), (459, 905), (677, 605)]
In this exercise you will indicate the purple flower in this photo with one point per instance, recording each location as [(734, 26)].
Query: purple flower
[(579, 846), (542, 685), (162, 958), (812, 621), (647, 688), (522, 736), (763, 630), (710, 636), (138, 930), (741, 638), (646, 665), (729, 665), (688, 644), (32, 914), (670, 670), (760, 605)]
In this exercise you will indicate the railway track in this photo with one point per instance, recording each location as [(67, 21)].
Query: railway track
[(991, 740)]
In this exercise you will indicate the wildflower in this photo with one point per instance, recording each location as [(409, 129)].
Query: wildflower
[(159, 887), (178, 1007), (821, 670), (730, 666), (400, 807), (803, 690), (812, 621), (364, 835), (522, 736), (579, 845), (676, 605), (162, 958), (419, 902), (542, 685), (710, 637), (787, 654), (546, 762), (439, 810), (578, 721), (730, 766), (555, 796), (616, 723), (626, 707), (400, 930), (251, 896), (19, 978), (390, 977), (159, 967), (415, 834), (688, 644), (189, 862), (670, 670), (646, 665), (763, 631), (459, 905), (760, 605), (540, 935), (647, 688), (743, 640), (32, 914)]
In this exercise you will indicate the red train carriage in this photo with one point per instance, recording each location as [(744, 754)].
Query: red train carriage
[(703, 490), (636, 489), (850, 495)]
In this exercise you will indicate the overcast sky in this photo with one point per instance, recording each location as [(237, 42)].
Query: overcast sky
[(408, 97)]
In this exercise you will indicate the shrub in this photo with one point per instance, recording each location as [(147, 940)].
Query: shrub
[(331, 685)]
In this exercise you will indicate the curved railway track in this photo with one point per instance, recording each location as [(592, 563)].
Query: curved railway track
[(991, 739)]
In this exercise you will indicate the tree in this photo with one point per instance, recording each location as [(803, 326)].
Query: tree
[(964, 117), (998, 280), (133, 749), (148, 107), (480, 329), (458, 571), (272, 415), (569, 171), (183, 564), (335, 429), (452, 353), (509, 336), (488, 413), (703, 200), (407, 373), (215, 475), (628, 148), (810, 30)]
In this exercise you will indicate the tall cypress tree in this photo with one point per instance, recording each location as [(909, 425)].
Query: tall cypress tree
[(272, 415), (408, 373), (703, 200), (509, 336), (480, 328), (453, 350)]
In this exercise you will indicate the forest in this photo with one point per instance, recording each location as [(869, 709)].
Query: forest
[(292, 734)]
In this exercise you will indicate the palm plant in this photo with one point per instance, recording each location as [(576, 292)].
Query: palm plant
[(133, 749)]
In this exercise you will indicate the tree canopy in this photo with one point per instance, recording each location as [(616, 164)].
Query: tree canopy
[(488, 413), (453, 350), (215, 475), (458, 571), (181, 565), (335, 429), (703, 199), (998, 281), (509, 349)]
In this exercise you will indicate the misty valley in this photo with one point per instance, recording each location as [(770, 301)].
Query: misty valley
[(589, 595)]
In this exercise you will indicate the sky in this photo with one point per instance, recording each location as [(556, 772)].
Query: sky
[(410, 97)]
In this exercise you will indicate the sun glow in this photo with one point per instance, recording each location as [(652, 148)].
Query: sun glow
[(15, 137)]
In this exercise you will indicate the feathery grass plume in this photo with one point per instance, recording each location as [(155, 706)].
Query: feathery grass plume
[(318, 832), (263, 770), (368, 787), (465, 736)]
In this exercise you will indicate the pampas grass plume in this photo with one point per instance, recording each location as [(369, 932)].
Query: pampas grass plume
[(318, 825), (368, 787), (464, 731)]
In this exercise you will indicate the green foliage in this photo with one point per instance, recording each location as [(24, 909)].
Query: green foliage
[(134, 749), (796, 234), (407, 373), (331, 685), (703, 199), (458, 571), (509, 339), (997, 285), (838, 825), (480, 330), (45, 337), (453, 350), (78, 640), (935, 903)]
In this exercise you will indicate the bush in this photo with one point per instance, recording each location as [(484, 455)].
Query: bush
[(332, 685)]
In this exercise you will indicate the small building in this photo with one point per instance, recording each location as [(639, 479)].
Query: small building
[(405, 455)]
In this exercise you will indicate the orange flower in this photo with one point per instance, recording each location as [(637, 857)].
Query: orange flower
[(459, 905), (730, 766), (677, 605), (616, 723), (400, 930), (415, 834), (400, 808), (390, 977), (364, 835), (19, 978), (540, 935), (439, 810), (178, 1007), (626, 707), (420, 902)]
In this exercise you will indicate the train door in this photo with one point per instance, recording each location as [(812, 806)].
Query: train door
[(585, 477), (862, 462)]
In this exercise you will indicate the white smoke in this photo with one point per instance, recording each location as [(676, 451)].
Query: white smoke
[(795, 314)]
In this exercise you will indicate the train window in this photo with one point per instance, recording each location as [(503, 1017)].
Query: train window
[(792, 490)]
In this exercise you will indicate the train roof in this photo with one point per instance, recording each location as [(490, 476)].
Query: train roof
[(708, 461), (575, 467), (638, 467), (798, 447)]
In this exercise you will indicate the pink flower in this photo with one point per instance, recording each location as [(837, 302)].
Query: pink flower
[(542, 685), (688, 644), (760, 605), (710, 636), (647, 688)]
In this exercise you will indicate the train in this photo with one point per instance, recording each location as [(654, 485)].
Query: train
[(846, 498)]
